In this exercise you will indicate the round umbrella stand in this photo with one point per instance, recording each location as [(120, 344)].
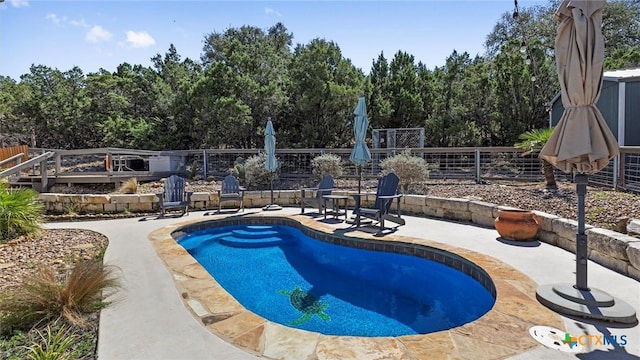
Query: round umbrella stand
[(579, 299), (592, 303)]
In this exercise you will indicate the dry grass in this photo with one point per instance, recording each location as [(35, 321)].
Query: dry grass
[(129, 187), (47, 295)]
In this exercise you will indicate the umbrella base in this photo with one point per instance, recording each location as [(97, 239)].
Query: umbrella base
[(272, 207), (592, 303)]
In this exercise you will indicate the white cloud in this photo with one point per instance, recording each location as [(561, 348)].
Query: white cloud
[(56, 19), (140, 39), (79, 23), (19, 3), (63, 20), (97, 34), (270, 11)]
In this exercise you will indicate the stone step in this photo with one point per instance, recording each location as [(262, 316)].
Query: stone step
[(251, 242), (253, 233)]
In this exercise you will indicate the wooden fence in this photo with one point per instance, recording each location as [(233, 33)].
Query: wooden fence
[(8, 152)]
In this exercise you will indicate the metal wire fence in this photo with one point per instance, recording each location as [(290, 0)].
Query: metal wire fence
[(479, 164), (475, 164), (630, 176)]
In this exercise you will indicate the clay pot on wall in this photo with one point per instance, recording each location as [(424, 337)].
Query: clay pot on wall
[(518, 225)]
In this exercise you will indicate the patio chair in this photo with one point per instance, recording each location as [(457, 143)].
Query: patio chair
[(174, 196), (387, 191), (325, 187), (230, 191)]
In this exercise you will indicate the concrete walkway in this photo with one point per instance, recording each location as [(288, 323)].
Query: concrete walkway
[(149, 320)]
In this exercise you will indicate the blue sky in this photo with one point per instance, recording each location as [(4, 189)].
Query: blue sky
[(104, 34)]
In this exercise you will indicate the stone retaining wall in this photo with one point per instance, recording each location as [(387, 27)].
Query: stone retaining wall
[(611, 249)]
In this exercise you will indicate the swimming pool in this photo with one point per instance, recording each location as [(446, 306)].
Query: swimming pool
[(288, 277)]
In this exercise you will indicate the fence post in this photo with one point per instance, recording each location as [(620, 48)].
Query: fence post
[(204, 163), (616, 161), (477, 164), (43, 176), (58, 163)]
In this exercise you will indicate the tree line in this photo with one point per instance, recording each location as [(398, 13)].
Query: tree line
[(247, 74)]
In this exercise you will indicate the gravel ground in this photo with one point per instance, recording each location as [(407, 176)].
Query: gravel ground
[(59, 248)]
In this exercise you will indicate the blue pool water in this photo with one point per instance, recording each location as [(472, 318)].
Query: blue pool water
[(287, 277)]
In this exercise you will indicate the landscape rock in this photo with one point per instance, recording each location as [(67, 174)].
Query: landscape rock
[(633, 228), (55, 247)]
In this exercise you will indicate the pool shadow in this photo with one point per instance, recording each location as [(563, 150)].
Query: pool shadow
[(330, 221), (600, 325), (369, 229), (316, 215), (222, 212), (533, 243), (158, 217)]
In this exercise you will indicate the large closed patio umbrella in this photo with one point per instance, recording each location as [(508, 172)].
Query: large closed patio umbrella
[(271, 163), (360, 154), (581, 144)]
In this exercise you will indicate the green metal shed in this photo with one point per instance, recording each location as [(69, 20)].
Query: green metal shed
[(619, 103)]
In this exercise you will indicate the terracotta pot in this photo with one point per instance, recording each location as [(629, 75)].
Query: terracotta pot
[(519, 225)]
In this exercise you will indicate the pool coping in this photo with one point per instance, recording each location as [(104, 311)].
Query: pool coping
[(500, 333)]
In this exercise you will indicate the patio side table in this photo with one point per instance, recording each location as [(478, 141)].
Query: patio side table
[(336, 211)]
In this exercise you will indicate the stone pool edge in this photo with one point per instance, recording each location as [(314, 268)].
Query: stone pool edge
[(501, 332)]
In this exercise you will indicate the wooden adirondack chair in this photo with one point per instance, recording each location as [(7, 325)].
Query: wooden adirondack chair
[(174, 196), (387, 191), (230, 191), (325, 187)]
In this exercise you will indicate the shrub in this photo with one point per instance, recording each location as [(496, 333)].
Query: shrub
[(52, 346), (410, 169), (14, 346), (238, 169), (326, 164), (74, 208), (193, 170), (129, 187), (54, 340), (256, 175), (20, 213), (44, 296)]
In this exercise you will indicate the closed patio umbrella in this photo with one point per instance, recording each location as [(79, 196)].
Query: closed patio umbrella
[(271, 163), (360, 154), (581, 143)]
